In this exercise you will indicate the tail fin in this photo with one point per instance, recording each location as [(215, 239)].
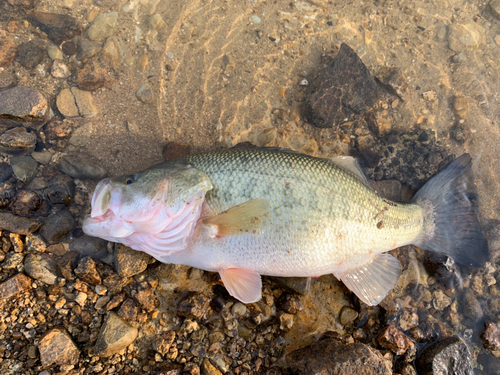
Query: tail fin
[(450, 215)]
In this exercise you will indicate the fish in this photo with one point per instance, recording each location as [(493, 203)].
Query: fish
[(262, 211)]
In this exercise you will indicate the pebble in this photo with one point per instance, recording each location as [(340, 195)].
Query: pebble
[(57, 347), (465, 37), (330, 356), (30, 54), (129, 262), (494, 7), (69, 48), (347, 315), (15, 285), (42, 157), (40, 267), (145, 93), (59, 70), (57, 226), (408, 320), (286, 322), (58, 27), (17, 141), (64, 266), (24, 168), (207, 368), (89, 246), (17, 224), (447, 356), (460, 106), (25, 203), (255, 19), (5, 172), (194, 305), (81, 166), (55, 52), (473, 309), (113, 52), (8, 50), (163, 342), (380, 122), (7, 79), (94, 75), (396, 341), (87, 271), (441, 300), (103, 26), (24, 104), (60, 190), (146, 298), (491, 336), (128, 310), (87, 49), (74, 103), (115, 334)]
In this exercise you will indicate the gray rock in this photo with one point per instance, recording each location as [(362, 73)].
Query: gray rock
[(81, 166), (60, 190), (465, 37), (473, 309), (448, 356), (130, 262), (113, 52), (55, 52), (14, 286), (194, 305), (41, 267), (58, 27), (330, 357), (103, 26), (30, 54), (145, 93), (43, 157), (86, 49), (115, 334), (90, 246), (17, 224), (5, 172), (24, 168), (12, 261), (57, 347), (57, 226), (17, 141), (25, 105)]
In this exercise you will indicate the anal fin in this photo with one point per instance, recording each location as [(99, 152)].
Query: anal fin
[(245, 217), (372, 281), (244, 285)]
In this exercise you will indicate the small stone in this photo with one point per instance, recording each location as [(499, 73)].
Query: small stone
[(8, 50), (24, 168), (43, 157), (12, 261), (94, 75), (207, 368), (441, 300), (66, 104), (84, 102), (87, 49), (57, 226), (255, 19), (146, 298), (174, 150), (65, 266), (115, 334), (60, 190), (5, 172), (194, 305), (396, 341), (57, 347), (145, 93), (191, 369), (473, 309), (239, 310), (465, 37), (163, 342), (69, 48), (81, 166), (59, 70), (90, 246), (58, 27), (128, 310), (286, 322), (101, 290), (81, 298), (55, 52), (195, 273), (115, 301), (113, 52), (491, 336), (17, 141), (17, 224), (14, 286), (460, 106), (40, 267), (130, 262), (60, 303), (447, 356), (25, 105), (408, 320), (59, 129), (25, 203), (101, 302), (87, 271), (7, 79), (347, 315), (103, 26), (380, 122), (30, 54)]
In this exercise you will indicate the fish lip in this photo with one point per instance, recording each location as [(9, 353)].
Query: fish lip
[(100, 188)]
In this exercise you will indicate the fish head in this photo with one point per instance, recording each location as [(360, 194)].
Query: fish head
[(144, 202)]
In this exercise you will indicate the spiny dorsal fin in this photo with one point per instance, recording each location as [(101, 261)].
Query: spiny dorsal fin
[(243, 218)]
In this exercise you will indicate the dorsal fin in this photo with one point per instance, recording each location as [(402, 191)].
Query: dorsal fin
[(352, 165)]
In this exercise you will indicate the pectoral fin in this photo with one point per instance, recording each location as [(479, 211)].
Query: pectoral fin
[(243, 218), (372, 281), (243, 285)]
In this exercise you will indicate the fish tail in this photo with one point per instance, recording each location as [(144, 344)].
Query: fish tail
[(449, 202)]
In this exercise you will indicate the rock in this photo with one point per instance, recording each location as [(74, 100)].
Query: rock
[(42, 157), (25, 105), (191, 368), (491, 336), (494, 7), (347, 315), (60, 190), (408, 320), (54, 52), (66, 104), (17, 141), (7, 79), (59, 70), (116, 301), (447, 356), (24, 168), (17, 224), (174, 150), (8, 50), (57, 226), (87, 49), (58, 27), (14, 286), (86, 246), (115, 334), (84, 102), (473, 309), (69, 48), (146, 298), (207, 368), (347, 88), (380, 122), (113, 52), (194, 305), (460, 106), (57, 347), (30, 54), (25, 203), (87, 271), (5, 172), (394, 81), (12, 261), (65, 266), (163, 342), (130, 262), (81, 166), (396, 341), (40, 267), (59, 129), (465, 37), (128, 310), (441, 300), (94, 75), (103, 26), (145, 93), (390, 189), (330, 357)]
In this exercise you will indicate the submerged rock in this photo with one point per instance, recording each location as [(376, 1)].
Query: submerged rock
[(115, 334), (447, 356), (24, 105), (57, 347), (58, 27), (491, 336), (81, 166)]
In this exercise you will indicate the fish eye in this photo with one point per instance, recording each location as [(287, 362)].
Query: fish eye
[(129, 180)]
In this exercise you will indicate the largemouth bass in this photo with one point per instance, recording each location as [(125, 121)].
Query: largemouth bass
[(251, 212)]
